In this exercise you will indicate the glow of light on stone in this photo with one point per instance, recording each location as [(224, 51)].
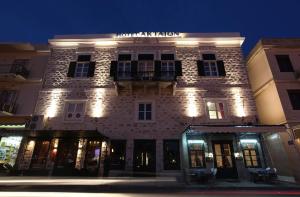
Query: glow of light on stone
[(98, 106), (54, 100), (192, 109), (238, 102), (105, 43)]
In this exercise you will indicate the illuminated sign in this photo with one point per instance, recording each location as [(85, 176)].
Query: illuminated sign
[(148, 34)]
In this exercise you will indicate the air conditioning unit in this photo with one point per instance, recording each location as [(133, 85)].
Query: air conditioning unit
[(37, 122)]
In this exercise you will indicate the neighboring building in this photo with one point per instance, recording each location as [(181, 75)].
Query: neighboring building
[(21, 72), (126, 102), (274, 70)]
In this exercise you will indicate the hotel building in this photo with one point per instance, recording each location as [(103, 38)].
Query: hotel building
[(146, 104)]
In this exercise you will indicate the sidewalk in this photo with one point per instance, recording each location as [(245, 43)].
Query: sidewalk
[(127, 185)]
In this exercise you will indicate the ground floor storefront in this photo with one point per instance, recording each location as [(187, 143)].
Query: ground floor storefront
[(232, 150)]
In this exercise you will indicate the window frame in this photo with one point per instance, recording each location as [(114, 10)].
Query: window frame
[(137, 111), (76, 102), (293, 91), (209, 62), (202, 151), (178, 165), (255, 148), (84, 64), (225, 109), (284, 68)]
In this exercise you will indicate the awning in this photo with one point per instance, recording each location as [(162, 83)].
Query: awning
[(14, 122), (235, 128)]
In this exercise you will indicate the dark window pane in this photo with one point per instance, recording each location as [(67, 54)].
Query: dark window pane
[(148, 107), (124, 57), (118, 154), (284, 63), (141, 107), (148, 116), (167, 56), (294, 96), (141, 116), (146, 57), (208, 56), (84, 58), (171, 155)]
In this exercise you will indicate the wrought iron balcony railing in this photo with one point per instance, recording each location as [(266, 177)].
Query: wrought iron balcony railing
[(146, 76), (8, 107), (17, 69)]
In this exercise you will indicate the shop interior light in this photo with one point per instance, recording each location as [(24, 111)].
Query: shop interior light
[(196, 141), (12, 126), (248, 140)]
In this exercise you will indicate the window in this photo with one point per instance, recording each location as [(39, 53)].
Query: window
[(40, 154), (171, 155), (284, 63), (145, 111), (294, 96), (167, 68), (118, 154), (209, 66), (146, 66), (197, 155), (82, 69), (74, 111), (124, 69), (215, 110), (251, 157)]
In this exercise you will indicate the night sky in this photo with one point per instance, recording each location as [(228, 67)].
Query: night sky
[(37, 21)]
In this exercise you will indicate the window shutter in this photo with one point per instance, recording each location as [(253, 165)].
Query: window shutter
[(91, 71), (200, 68), (221, 68), (157, 69), (134, 65), (178, 68), (72, 68), (113, 69), (84, 58)]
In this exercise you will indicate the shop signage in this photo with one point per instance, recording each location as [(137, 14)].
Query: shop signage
[(148, 34)]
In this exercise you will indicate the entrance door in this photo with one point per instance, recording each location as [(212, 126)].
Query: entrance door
[(224, 159), (144, 156)]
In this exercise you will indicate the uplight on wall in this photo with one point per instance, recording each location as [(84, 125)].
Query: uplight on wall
[(98, 106), (186, 43), (192, 107), (239, 105), (55, 96)]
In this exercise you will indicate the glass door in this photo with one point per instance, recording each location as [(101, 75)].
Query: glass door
[(224, 159), (145, 70), (144, 155)]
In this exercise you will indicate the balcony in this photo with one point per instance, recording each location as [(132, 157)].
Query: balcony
[(15, 71), (146, 76), (8, 108)]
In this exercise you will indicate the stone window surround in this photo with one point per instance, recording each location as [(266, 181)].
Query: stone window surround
[(66, 102), (136, 111), (219, 100)]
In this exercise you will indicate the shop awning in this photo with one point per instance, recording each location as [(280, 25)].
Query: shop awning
[(14, 122), (235, 128)]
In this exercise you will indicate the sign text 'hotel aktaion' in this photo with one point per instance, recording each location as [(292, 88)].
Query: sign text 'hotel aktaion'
[(148, 34)]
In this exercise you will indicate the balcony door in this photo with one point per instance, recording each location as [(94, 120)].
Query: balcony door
[(224, 159), (124, 69), (146, 66)]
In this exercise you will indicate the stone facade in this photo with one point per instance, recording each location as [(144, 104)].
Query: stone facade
[(113, 113)]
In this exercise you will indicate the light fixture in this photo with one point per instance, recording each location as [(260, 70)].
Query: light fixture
[(248, 140), (195, 141)]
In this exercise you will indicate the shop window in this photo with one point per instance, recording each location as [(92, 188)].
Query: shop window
[(118, 154), (196, 154), (216, 110), (251, 156), (171, 155), (284, 63), (40, 154), (9, 148), (74, 111), (92, 157)]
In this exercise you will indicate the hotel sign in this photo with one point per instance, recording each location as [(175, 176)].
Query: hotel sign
[(148, 34)]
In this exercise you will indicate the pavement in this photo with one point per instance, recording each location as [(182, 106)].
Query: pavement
[(55, 186)]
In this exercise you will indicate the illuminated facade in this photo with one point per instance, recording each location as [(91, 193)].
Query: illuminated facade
[(21, 71), (274, 67), (146, 104)]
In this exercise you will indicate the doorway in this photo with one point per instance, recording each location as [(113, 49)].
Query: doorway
[(144, 156), (224, 159)]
